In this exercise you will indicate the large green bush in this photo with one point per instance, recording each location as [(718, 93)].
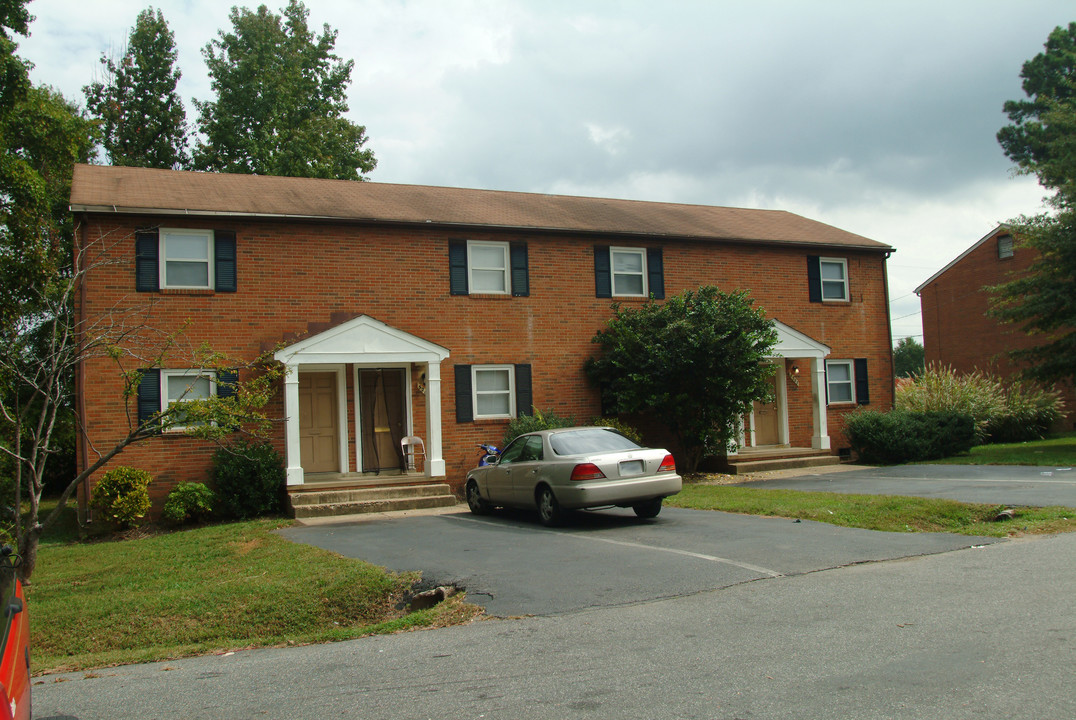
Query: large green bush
[(121, 496), (537, 420), (902, 436), (188, 502), (1001, 412), (249, 479)]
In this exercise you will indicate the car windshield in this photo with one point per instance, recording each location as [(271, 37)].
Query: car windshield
[(589, 440)]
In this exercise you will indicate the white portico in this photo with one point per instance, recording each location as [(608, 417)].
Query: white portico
[(378, 362)]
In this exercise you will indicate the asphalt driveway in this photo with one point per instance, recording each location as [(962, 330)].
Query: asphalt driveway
[(991, 484), (511, 565)]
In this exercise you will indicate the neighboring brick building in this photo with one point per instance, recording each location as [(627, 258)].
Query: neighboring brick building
[(957, 332), (443, 312)]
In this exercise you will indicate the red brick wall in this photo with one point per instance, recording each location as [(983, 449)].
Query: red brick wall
[(292, 274), (956, 329)]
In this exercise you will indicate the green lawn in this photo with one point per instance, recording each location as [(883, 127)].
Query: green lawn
[(1056, 451), (207, 590), (892, 513)]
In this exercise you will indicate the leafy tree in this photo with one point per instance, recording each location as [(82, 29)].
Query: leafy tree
[(695, 363), (281, 99), (142, 118), (1042, 141), (908, 358)]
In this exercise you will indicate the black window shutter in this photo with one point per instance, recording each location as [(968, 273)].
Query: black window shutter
[(524, 397), (863, 393), (521, 285), (457, 267), (226, 380), (655, 273), (603, 278), (224, 270), (147, 271), (464, 404), (814, 278), (149, 395)]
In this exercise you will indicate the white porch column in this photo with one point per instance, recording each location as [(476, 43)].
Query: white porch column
[(291, 425), (820, 439), (435, 463)]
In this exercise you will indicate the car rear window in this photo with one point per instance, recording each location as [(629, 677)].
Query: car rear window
[(584, 442)]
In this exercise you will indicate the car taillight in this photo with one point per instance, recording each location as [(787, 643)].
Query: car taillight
[(667, 465), (587, 471)]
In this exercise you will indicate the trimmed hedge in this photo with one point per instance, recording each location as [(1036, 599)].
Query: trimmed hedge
[(901, 436), (249, 480)]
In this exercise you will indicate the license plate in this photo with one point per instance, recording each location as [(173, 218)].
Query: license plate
[(631, 467)]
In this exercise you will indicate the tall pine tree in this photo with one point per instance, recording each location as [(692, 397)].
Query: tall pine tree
[(142, 118), (281, 100)]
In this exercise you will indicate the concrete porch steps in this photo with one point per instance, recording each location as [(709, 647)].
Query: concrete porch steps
[(744, 466), (351, 501)]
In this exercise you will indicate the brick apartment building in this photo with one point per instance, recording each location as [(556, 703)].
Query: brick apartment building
[(443, 312), (957, 332)]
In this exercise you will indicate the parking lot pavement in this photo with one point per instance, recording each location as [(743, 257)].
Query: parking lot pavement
[(1034, 486), (511, 565)]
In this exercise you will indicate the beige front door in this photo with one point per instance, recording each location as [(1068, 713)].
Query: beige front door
[(767, 419), (319, 431)]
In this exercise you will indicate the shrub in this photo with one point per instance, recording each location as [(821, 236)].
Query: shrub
[(902, 436), (122, 496), (530, 423), (976, 394), (188, 501), (249, 479), (1029, 413), (628, 431)]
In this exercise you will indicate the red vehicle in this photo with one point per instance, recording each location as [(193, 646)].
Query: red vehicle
[(14, 641)]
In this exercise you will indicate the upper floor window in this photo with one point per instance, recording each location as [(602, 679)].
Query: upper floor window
[(629, 271), (487, 267), (186, 259), (834, 274), (1004, 247)]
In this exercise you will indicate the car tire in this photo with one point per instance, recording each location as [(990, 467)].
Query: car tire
[(475, 501), (549, 511), (648, 509)]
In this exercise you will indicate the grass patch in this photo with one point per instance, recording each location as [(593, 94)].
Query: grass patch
[(1056, 451), (208, 590), (890, 513)]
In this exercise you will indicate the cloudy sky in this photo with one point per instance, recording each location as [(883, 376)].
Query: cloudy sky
[(877, 117)]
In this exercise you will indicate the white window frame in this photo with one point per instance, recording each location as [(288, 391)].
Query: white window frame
[(822, 280), (851, 382), (162, 268), (166, 374), (641, 252), (507, 269), (511, 370)]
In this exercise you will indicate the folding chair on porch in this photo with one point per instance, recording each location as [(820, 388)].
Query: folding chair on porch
[(413, 448)]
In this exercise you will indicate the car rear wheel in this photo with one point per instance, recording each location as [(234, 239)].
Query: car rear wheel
[(648, 509), (549, 511), (475, 501)]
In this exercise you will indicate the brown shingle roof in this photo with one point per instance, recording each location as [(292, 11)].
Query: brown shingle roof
[(99, 188)]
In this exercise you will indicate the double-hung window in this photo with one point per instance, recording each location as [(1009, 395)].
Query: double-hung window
[(487, 267), (1005, 247), (629, 271), (182, 386), (834, 272), (186, 259), (494, 391), (840, 382)]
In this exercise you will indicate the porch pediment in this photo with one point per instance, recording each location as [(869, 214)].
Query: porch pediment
[(362, 340), (791, 343)]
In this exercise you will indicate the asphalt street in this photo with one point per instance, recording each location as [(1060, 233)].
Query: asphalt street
[(991, 484), (979, 632)]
